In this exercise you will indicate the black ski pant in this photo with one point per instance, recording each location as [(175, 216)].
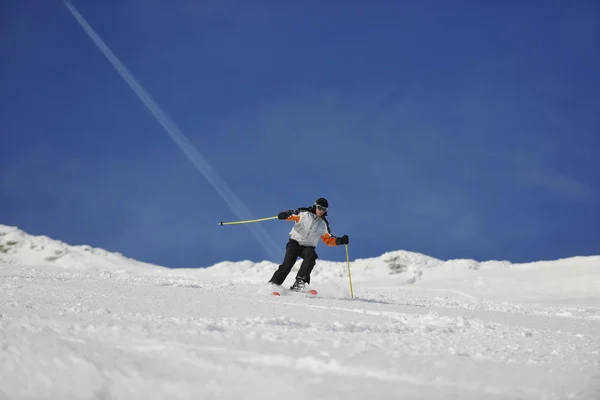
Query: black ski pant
[(293, 250)]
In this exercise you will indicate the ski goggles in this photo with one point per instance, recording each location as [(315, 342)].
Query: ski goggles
[(322, 208)]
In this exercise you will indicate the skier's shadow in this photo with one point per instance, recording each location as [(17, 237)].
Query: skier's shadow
[(379, 301), (364, 300)]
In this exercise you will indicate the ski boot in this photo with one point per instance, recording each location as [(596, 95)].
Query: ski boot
[(298, 285)]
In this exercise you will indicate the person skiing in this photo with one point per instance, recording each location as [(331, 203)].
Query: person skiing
[(310, 225)]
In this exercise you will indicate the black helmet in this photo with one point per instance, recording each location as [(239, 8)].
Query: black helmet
[(322, 203)]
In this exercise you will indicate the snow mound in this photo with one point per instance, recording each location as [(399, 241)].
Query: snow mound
[(18, 247), (405, 265)]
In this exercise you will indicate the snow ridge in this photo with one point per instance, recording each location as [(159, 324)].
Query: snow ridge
[(18, 247), (400, 266)]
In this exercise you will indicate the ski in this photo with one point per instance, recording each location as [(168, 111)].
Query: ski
[(311, 292)]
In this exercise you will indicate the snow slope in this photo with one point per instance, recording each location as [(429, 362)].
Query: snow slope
[(82, 323)]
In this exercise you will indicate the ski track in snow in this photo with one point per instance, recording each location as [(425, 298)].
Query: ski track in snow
[(105, 334)]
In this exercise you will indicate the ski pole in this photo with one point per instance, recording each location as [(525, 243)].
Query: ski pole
[(246, 221), (349, 276)]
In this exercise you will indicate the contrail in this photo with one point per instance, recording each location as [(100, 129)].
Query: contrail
[(199, 161)]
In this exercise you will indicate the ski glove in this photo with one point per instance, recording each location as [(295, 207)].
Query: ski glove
[(284, 215), (343, 240)]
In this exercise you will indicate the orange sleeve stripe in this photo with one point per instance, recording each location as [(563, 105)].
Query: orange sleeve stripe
[(329, 240), (293, 218)]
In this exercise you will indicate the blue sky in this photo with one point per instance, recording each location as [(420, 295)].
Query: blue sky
[(462, 129)]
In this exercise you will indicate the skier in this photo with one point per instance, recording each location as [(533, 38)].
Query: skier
[(310, 226)]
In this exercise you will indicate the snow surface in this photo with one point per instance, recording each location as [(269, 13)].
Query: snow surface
[(82, 323)]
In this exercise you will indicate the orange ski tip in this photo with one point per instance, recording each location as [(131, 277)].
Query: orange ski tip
[(276, 294)]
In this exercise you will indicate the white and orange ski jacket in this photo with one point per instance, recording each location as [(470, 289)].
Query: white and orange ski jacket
[(309, 228)]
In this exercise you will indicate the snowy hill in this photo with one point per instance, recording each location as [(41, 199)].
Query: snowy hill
[(575, 279), (81, 322), (18, 247)]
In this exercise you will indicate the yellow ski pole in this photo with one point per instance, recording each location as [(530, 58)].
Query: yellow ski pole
[(349, 276), (246, 221)]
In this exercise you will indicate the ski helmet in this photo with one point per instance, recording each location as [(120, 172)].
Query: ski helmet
[(321, 201)]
